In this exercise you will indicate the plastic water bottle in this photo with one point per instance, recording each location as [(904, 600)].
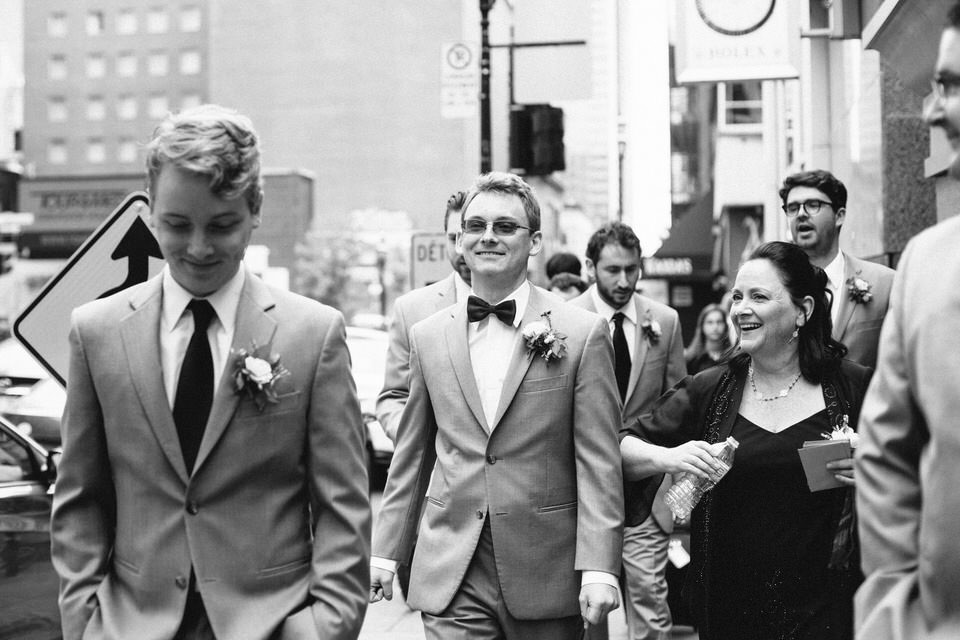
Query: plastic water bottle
[(686, 492)]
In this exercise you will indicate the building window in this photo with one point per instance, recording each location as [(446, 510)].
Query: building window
[(158, 106), (190, 62), (57, 151), (57, 67), (57, 109), (96, 65), (158, 20), (158, 64), (96, 108), (740, 104), (190, 19), (126, 22), (127, 107), (96, 151), (126, 64), (190, 100), (57, 25), (96, 23), (127, 150)]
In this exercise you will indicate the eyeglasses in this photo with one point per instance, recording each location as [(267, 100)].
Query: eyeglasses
[(500, 227), (811, 207), (945, 86), (452, 237)]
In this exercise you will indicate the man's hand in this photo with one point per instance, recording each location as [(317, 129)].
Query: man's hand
[(381, 584), (842, 470), (596, 601)]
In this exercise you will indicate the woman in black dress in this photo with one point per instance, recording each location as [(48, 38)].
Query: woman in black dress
[(770, 559)]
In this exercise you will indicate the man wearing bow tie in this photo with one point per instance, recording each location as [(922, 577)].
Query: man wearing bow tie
[(507, 461)]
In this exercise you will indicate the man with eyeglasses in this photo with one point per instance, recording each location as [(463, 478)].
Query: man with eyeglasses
[(815, 204), (908, 505), (507, 458)]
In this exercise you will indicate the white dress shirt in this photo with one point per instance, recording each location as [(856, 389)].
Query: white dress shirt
[(176, 327), (630, 321), (835, 281)]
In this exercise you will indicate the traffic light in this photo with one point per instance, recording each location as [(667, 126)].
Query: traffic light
[(536, 139)]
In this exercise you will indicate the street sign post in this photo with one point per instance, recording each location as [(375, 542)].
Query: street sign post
[(428, 259), (121, 253)]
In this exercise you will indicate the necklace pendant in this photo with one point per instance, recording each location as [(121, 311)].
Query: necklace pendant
[(784, 392)]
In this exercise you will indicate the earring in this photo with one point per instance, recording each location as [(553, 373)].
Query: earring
[(796, 334)]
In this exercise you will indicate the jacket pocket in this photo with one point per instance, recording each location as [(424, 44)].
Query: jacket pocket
[(563, 506), (543, 384), (286, 567)]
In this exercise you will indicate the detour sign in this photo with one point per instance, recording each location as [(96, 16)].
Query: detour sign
[(428, 259)]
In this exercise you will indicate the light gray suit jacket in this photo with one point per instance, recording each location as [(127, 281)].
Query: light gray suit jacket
[(858, 323), (655, 368), (408, 310), (907, 468), (275, 518), (546, 473)]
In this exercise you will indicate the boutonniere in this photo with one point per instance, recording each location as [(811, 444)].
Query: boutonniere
[(844, 431), (651, 329), (256, 372), (543, 340), (859, 289)]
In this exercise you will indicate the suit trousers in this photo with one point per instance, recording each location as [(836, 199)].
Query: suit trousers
[(644, 581), (478, 612), (195, 624)]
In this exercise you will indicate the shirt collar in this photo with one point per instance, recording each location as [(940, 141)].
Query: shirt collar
[(629, 310), (521, 296), (224, 300), (460, 286), (835, 270)]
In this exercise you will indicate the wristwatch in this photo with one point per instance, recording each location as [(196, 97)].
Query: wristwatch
[(735, 18)]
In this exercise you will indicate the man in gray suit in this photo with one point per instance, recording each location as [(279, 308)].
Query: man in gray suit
[(213, 482), (649, 360), (906, 465), (815, 203), (413, 307)]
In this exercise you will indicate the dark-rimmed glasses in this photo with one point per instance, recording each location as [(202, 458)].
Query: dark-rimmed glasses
[(945, 86), (479, 226), (811, 207)]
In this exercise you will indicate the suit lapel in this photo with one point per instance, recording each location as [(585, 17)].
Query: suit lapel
[(847, 306), (640, 346), (140, 333), (521, 359), (253, 326), (459, 349)]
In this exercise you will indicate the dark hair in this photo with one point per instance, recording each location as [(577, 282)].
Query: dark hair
[(566, 279), (953, 17), (817, 179), (507, 184), (699, 343), (563, 262), (612, 233), (454, 205), (818, 350)]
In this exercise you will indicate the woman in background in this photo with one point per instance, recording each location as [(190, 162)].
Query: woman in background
[(710, 341)]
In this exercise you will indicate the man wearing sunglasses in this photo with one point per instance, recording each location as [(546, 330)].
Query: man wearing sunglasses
[(815, 205), (507, 457)]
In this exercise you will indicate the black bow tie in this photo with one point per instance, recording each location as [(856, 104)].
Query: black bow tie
[(478, 309)]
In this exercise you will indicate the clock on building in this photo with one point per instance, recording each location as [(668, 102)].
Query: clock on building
[(735, 18)]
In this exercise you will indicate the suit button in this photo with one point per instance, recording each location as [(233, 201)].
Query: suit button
[(491, 459), (192, 508), (181, 582)]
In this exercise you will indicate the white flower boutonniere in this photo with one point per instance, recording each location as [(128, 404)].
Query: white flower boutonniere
[(843, 431), (543, 340), (256, 372), (859, 289), (651, 329)]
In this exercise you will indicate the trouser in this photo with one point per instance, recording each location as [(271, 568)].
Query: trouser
[(644, 581)]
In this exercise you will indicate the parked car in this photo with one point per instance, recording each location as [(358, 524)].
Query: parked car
[(19, 371), (28, 583), (368, 353), (37, 412)]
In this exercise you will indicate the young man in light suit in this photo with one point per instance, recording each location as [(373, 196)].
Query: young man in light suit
[(649, 361), (187, 507), (908, 506), (507, 461), (413, 307), (815, 203)]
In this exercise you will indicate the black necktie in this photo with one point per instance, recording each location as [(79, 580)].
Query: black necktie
[(621, 355), (478, 309), (191, 407)]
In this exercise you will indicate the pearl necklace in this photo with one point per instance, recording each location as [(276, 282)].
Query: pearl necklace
[(783, 392)]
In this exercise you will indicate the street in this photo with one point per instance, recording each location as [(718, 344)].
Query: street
[(394, 621)]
